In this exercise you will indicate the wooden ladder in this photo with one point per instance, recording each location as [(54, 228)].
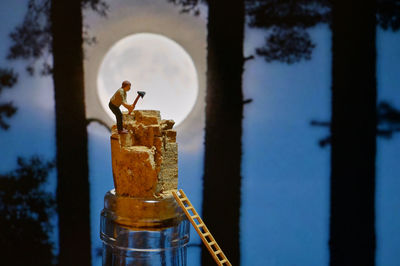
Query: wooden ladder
[(201, 228)]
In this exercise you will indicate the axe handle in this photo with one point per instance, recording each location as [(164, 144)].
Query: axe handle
[(134, 103)]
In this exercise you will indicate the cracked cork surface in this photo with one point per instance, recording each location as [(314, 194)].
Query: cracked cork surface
[(145, 161)]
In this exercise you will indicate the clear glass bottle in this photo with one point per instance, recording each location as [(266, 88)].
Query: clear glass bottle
[(138, 231)]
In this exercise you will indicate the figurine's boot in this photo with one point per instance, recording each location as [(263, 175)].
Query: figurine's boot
[(123, 131)]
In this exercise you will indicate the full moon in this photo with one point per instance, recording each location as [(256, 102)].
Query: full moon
[(155, 64)]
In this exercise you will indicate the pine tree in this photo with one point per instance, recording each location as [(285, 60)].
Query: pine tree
[(25, 212), (54, 28)]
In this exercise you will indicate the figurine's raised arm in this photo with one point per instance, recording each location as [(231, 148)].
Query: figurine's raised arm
[(140, 94)]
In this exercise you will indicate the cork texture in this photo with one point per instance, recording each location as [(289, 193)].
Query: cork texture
[(145, 161)]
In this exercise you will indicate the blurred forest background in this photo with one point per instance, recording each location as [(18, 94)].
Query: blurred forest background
[(300, 145)]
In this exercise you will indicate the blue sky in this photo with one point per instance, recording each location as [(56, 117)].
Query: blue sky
[(285, 208)]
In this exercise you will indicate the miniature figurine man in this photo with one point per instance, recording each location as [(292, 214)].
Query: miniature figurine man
[(118, 99)]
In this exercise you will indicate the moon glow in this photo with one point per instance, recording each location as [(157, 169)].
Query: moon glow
[(155, 64)]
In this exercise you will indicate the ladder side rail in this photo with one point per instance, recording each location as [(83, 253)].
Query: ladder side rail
[(206, 230), (195, 213), (210, 249), (212, 239), (223, 258)]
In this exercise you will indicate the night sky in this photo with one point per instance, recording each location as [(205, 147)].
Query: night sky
[(285, 192)]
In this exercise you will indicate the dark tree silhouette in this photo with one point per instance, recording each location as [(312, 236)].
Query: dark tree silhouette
[(25, 209), (353, 130), (287, 39), (388, 118), (354, 112), (55, 28), (72, 156), (7, 79), (223, 132)]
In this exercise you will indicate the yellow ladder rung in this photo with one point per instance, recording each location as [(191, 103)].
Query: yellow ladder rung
[(180, 199)]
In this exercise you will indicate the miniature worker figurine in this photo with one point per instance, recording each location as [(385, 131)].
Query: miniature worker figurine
[(118, 99)]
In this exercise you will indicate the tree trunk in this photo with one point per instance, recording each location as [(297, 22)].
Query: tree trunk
[(224, 112), (353, 129), (71, 134)]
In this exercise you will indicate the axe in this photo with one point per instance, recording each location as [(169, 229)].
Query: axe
[(140, 94)]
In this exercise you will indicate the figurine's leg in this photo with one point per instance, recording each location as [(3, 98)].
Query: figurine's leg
[(119, 121), (118, 115)]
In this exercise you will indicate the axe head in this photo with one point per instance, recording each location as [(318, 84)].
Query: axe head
[(141, 93)]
